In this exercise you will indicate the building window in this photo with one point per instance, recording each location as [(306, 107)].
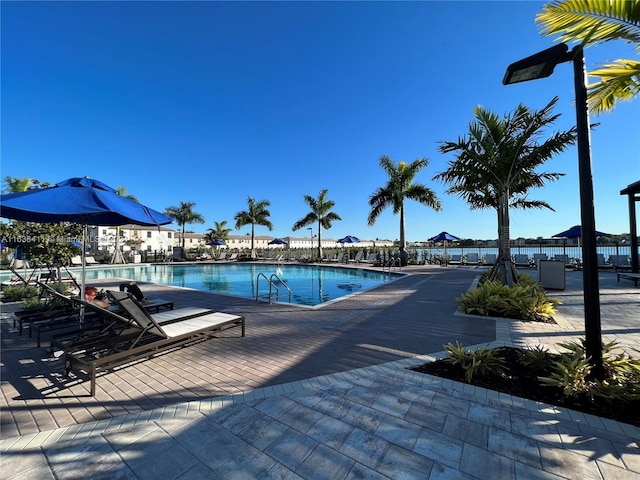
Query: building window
[(148, 248), (148, 234), (168, 234)]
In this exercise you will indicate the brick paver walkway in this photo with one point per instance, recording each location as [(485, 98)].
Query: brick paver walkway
[(299, 397)]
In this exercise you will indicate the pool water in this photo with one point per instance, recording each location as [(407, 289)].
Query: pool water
[(309, 284)]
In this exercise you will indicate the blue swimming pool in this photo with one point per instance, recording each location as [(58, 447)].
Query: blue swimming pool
[(309, 284)]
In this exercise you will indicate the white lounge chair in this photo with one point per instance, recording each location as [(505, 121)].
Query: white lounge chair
[(455, 260), (357, 258), (521, 260), (472, 259), (490, 259), (537, 257), (620, 262), (371, 258), (338, 258), (563, 258), (602, 263)]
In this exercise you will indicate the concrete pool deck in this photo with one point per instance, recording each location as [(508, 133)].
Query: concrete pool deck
[(320, 393)]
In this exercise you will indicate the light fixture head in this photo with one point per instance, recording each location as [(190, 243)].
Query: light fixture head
[(538, 65)]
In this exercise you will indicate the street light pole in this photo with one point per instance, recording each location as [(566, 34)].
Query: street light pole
[(541, 65)]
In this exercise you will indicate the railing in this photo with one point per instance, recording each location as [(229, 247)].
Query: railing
[(272, 286), (393, 263)]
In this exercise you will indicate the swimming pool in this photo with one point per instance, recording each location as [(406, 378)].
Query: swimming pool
[(309, 284)]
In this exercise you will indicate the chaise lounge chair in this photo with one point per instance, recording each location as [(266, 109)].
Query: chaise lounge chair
[(620, 262), (490, 259), (537, 257), (521, 260), (143, 335), (602, 263), (472, 259), (455, 260)]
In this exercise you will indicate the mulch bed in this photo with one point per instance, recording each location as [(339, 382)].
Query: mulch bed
[(520, 382)]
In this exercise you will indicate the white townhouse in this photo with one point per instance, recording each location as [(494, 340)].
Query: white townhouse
[(103, 239)]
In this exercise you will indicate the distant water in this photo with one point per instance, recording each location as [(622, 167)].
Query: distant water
[(551, 250)]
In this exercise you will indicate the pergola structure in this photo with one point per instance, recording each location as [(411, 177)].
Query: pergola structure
[(633, 192)]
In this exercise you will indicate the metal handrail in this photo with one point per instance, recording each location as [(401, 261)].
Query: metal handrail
[(272, 285), (280, 280), (394, 262)]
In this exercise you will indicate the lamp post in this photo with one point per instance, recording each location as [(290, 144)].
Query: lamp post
[(541, 65)]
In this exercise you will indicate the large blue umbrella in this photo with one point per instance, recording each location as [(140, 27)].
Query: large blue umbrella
[(349, 239), (216, 243), (444, 237), (277, 241), (576, 232), (79, 200)]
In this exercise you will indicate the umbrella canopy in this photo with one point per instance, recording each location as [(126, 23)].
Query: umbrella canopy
[(576, 232), (277, 241), (216, 243), (349, 239), (443, 237), (79, 200)]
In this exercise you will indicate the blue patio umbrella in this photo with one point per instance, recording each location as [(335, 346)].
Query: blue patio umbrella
[(79, 200), (277, 241), (444, 237), (216, 243), (349, 239), (576, 232)]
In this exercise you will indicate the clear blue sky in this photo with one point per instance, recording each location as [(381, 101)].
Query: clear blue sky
[(212, 102)]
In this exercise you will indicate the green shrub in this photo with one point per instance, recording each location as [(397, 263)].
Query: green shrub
[(32, 303), (538, 359), (482, 362), (526, 300), (15, 294), (572, 373)]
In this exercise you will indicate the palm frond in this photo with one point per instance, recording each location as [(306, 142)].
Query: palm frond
[(618, 81), (591, 21)]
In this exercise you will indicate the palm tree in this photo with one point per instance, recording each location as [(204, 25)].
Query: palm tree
[(591, 22), (183, 215), (117, 257), (220, 232), (15, 184), (320, 213), (398, 188), (256, 214), (495, 167)]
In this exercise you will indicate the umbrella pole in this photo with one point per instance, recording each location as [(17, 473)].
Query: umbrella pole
[(84, 271)]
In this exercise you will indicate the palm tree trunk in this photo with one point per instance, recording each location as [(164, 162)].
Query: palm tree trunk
[(319, 241), (253, 251), (504, 266), (403, 253)]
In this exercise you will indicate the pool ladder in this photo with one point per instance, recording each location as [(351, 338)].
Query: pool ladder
[(393, 263), (272, 285)]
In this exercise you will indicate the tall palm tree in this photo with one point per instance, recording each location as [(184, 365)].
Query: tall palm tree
[(256, 214), (183, 215), (591, 22), (495, 166), (398, 188), (117, 257), (320, 213), (220, 232)]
